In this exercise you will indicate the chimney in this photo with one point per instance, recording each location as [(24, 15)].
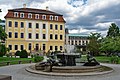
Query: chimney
[(24, 5), (46, 7)]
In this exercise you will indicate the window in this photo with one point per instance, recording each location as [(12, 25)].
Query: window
[(22, 47), (61, 27), (56, 36), (44, 26), (75, 42), (29, 15), (16, 24), (30, 25), (44, 36), (29, 46), (51, 17), (16, 47), (43, 17), (22, 24), (37, 47), (56, 18), (56, 48), (37, 25), (43, 46), (10, 23), (36, 16), (21, 15), (15, 14), (79, 42), (16, 35), (29, 35), (51, 48), (51, 26), (56, 27), (61, 47), (10, 47), (51, 36), (61, 37), (22, 35), (37, 36), (10, 34), (72, 43)]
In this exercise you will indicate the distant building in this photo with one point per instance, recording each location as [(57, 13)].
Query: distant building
[(34, 29), (73, 40)]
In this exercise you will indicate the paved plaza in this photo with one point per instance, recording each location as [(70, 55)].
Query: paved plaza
[(18, 72)]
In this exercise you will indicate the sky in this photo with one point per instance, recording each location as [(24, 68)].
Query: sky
[(82, 16)]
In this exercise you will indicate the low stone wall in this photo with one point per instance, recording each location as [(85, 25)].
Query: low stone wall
[(5, 77)]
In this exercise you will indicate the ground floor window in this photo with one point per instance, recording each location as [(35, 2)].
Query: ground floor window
[(10, 47), (16, 47), (29, 46), (61, 47), (51, 48), (56, 48), (22, 47), (43, 46)]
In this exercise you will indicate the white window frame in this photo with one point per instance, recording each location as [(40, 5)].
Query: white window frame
[(21, 15), (29, 15), (51, 17), (44, 17), (36, 16), (15, 13), (56, 18)]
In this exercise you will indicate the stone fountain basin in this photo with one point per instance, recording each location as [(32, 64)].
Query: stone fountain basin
[(72, 70)]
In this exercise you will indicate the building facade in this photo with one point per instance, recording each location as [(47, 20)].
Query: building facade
[(73, 40), (34, 29)]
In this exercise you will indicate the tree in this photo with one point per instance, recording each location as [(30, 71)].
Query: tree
[(3, 37), (113, 30), (110, 45), (94, 44)]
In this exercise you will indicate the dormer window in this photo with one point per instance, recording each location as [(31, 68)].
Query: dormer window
[(21, 15), (56, 18), (36, 16), (15, 14), (29, 15), (51, 17), (43, 17)]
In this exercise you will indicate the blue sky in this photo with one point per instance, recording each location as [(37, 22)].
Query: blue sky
[(82, 16)]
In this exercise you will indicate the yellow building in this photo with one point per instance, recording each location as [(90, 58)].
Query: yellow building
[(34, 29)]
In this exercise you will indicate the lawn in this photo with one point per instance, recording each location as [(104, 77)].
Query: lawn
[(103, 59), (12, 61)]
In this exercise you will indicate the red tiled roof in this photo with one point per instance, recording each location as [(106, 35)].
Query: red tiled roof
[(37, 11), (10, 14)]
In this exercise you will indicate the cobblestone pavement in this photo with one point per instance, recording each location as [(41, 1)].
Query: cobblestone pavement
[(18, 72)]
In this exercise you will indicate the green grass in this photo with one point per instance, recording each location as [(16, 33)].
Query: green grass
[(12, 61), (103, 59)]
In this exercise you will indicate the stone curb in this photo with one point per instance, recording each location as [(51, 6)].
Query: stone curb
[(66, 74)]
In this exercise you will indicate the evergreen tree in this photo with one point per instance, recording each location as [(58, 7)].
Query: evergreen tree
[(113, 30)]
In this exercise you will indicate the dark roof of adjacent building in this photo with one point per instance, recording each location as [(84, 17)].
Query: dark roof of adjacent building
[(32, 10)]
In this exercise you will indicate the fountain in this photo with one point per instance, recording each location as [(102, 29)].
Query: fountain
[(64, 64)]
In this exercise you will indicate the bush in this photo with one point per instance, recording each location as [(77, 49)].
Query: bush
[(3, 50), (38, 58), (17, 53), (114, 59), (23, 54)]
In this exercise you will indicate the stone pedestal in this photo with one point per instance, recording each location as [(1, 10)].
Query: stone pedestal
[(5, 77)]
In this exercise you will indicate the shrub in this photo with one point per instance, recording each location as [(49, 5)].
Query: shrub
[(17, 53), (114, 59), (3, 50), (38, 58), (8, 55), (23, 54)]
